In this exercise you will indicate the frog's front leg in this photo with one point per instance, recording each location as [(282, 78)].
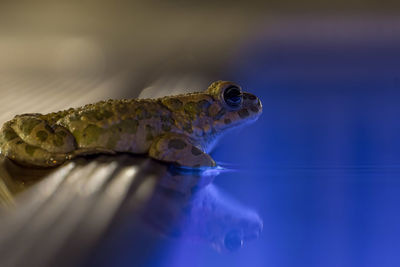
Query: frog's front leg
[(179, 149)]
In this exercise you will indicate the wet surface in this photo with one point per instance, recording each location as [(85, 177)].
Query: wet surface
[(115, 199)]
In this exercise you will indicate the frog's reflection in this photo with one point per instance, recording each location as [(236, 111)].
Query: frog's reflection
[(15, 179), (190, 206), (175, 204)]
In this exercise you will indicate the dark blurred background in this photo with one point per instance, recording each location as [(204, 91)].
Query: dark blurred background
[(321, 166)]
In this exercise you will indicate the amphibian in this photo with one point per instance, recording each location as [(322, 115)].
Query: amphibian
[(177, 129)]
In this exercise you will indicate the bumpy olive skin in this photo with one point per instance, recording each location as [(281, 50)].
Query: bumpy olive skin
[(177, 129)]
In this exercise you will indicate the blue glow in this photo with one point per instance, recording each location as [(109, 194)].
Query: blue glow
[(320, 167), (322, 163)]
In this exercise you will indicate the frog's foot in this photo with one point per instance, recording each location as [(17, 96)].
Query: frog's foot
[(178, 149), (34, 130), (29, 140), (28, 155)]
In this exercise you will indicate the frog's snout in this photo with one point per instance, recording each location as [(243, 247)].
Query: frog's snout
[(252, 103), (259, 105)]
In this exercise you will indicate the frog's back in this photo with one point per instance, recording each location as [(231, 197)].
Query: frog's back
[(117, 125), (106, 126)]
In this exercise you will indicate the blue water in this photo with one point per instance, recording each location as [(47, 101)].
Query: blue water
[(322, 164), (320, 168)]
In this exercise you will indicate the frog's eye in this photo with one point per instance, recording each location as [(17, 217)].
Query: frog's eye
[(233, 96), (233, 241)]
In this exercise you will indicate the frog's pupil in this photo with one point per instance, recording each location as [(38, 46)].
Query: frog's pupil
[(233, 96), (233, 241)]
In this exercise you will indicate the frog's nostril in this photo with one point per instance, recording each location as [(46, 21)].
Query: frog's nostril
[(252, 97)]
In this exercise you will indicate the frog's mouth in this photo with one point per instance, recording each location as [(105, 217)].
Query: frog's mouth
[(243, 117)]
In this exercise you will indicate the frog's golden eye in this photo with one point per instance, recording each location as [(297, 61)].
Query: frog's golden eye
[(233, 96)]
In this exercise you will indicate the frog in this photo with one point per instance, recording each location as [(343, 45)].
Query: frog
[(179, 130)]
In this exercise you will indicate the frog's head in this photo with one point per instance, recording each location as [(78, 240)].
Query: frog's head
[(232, 107)]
